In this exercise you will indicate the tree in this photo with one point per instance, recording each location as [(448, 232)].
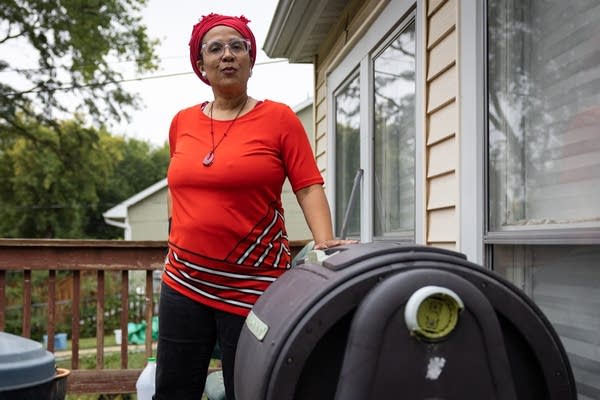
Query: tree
[(58, 184), (77, 46), (51, 183), (139, 166)]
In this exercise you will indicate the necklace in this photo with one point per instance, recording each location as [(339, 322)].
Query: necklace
[(209, 158)]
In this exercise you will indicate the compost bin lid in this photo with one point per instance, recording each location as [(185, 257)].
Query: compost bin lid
[(23, 363)]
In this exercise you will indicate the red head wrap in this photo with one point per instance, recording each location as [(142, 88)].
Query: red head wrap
[(208, 22)]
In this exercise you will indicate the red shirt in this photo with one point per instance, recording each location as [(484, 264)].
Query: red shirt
[(228, 241)]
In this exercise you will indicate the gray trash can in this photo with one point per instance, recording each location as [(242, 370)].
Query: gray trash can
[(27, 370), (385, 321)]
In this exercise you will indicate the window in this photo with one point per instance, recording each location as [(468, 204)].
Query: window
[(394, 136), (544, 114), (382, 91), (543, 229), (347, 160)]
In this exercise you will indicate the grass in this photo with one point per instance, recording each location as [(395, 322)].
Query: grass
[(90, 343)]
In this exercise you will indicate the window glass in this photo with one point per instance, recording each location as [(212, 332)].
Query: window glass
[(544, 114), (394, 136), (347, 158), (563, 282)]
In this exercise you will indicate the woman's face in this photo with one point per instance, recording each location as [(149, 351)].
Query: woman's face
[(225, 57)]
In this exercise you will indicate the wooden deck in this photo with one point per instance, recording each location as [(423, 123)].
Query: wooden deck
[(81, 258)]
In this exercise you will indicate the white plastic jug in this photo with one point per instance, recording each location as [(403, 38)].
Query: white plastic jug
[(145, 382)]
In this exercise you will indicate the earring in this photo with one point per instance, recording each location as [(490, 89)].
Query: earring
[(250, 73), (203, 73)]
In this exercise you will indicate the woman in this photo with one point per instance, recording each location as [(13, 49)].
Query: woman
[(227, 240)]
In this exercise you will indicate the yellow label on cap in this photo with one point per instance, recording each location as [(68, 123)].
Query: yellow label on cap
[(432, 312), (437, 316)]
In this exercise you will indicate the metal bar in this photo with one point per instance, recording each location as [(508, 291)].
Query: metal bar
[(351, 202), (530, 236)]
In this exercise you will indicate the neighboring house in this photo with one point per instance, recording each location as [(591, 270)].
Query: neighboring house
[(144, 215), (477, 126), (294, 219)]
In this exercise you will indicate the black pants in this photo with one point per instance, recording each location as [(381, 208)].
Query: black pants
[(187, 334)]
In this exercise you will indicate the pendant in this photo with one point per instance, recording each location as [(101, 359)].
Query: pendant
[(208, 159)]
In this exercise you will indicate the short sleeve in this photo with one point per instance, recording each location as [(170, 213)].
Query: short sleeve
[(298, 158)]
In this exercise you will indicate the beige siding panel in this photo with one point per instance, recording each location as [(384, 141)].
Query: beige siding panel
[(321, 91), (442, 191), (443, 123), (321, 123), (440, 23), (321, 98), (321, 128), (320, 119), (442, 89), (321, 110), (442, 225), (321, 144), (442, 157), (322, 163), (442, 56), (320, 79), (448, 245), (433, 5)]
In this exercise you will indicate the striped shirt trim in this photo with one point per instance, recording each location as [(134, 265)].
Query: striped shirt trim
[(282, 249), (222, 273), (216, 286), (206, 294), (277, 215)]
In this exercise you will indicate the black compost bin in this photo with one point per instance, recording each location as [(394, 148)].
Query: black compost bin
[(385, 321), (27, 371)]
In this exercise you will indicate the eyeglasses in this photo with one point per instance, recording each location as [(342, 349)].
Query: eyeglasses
[(216, 48)]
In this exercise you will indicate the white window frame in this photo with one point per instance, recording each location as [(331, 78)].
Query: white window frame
[(360, 56), (472, 113)]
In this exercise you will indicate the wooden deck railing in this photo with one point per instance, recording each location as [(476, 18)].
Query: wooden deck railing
[(82, 257)]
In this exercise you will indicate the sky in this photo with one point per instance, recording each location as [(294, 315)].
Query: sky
[(171, 22)]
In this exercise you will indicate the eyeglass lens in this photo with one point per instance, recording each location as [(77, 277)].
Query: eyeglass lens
[(217, 47)]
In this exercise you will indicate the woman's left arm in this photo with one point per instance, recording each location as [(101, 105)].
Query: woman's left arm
[(316, 211)]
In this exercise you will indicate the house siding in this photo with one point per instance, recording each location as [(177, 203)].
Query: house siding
[(321, 126), (441, 125), (555, 267), (148, 218), (441, 155)]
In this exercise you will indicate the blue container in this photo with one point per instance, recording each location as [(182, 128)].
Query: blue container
[(60, 341)]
